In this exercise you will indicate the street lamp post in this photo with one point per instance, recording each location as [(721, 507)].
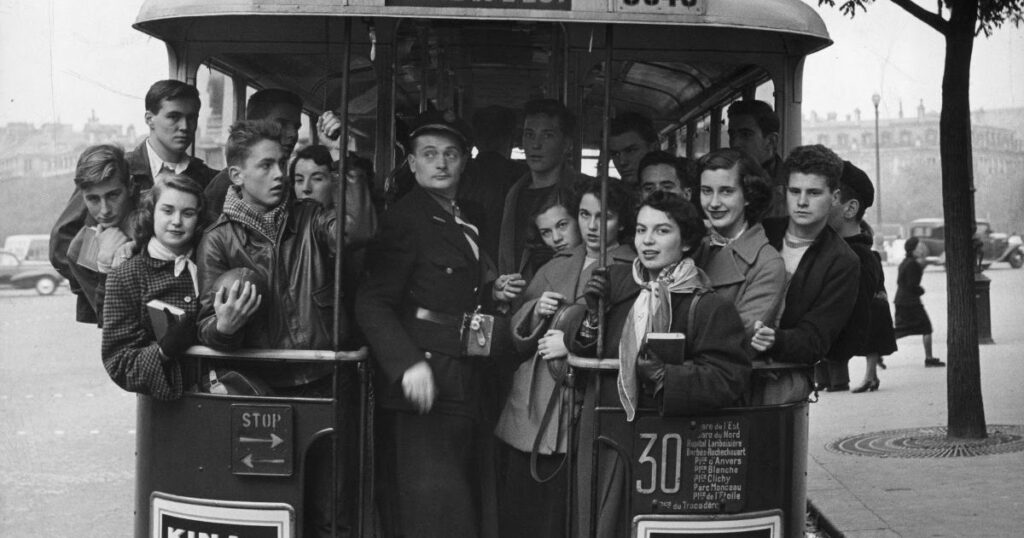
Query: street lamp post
[(878, 167)]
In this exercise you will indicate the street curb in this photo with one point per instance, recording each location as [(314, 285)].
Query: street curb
[(824, 524)]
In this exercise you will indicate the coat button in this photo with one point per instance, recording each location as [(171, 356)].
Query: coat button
[(448, 270), (427, 355), (188, 299)]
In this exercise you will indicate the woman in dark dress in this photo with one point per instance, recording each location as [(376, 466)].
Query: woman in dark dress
[(911, 317)]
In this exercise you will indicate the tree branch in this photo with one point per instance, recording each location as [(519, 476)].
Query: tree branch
[(931, 19)]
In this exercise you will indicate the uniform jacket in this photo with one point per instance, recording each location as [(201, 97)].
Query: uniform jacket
[(508, 259), (749, 272), (856, 337), (422, 259), (819, 297), (130, 351), (297, 310), (716, 369), (75, 216), (533, 384)]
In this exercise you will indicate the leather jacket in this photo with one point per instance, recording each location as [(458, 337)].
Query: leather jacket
[(297, 309)]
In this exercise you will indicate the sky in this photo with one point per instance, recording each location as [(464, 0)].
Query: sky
[(63, 59)]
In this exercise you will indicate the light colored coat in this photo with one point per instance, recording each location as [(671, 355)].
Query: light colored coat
[(533, 384), (749, 272)]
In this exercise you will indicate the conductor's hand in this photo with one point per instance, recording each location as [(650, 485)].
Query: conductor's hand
[(650, 368), (508, 287), (181, 333), (597, 288), (418, 386), (235, 306), (329, 125), (764, 337), (548, 303)]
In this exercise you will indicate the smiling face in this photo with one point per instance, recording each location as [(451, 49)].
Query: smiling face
[(261, 176), (658, 240), (558, 229), (721, 196), (437, 162), (810, 202), (544, 143), (173, 128), (314, 181), (626, 150), (661, 177), (175, 218), (106, 201), (589, 219)]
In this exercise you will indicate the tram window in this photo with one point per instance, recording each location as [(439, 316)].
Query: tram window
[(216, 90), (766, 92)]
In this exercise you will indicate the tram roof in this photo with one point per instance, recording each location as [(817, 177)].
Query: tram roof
[(170, 19)]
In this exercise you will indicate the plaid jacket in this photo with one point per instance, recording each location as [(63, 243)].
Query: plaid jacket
[(130, 351)]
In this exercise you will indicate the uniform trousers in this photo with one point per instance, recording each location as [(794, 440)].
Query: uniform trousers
[(427, 469)]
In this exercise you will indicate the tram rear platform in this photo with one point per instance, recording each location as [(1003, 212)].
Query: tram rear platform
[(938, 491)]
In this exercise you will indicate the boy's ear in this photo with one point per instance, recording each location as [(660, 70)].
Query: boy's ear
[(235, 174), (852, 208), (773, 138), (149, 119)]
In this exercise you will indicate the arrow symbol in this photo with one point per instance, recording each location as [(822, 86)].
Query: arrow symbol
[(248, 460), (274, 440)]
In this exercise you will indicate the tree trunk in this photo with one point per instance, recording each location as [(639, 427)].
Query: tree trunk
[(966, 411)]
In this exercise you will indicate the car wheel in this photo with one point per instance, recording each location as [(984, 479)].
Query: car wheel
[(1016, 259), (46, 286)]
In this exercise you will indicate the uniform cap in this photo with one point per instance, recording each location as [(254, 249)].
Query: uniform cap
[(856, 180)]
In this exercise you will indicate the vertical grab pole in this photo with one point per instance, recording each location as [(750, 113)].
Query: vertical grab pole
[(339, 261), (606, 109)]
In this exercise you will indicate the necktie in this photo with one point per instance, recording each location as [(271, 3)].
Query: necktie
[(471, 232)]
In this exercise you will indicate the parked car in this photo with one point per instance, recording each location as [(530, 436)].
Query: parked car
[(995, 246), (25, 274)]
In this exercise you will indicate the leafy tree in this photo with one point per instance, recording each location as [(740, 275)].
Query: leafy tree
[(959, 22)]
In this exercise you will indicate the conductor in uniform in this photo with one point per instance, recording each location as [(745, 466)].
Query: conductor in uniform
[(425, 270)]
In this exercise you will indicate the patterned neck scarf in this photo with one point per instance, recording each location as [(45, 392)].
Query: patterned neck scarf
[(718, 240), (651, 312), (182, 262), (242, 212)]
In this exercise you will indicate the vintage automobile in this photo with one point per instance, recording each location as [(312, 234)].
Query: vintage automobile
[(28, 273), (995, 246)]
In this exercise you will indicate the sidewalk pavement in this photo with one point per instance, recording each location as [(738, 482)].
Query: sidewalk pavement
[(865, 496)]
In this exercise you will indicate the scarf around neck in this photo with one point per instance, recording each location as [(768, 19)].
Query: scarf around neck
[(182, 262), (651, 312), (240, 211)]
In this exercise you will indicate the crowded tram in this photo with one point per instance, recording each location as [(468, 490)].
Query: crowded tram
[(471, 268)]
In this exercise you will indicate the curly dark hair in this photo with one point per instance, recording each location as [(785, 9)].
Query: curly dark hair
[(680, 210), (816, 159), (621, 201), (754, 181)]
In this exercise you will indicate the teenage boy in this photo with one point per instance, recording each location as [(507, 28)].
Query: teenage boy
[(631, 136), (822, 271), (662, 171), (856, 195), (754, 130), (172, 112), (548, 144), (281, 107), (288, 243), (103, 189)]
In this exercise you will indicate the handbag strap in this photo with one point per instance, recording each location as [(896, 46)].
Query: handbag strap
[(556, 394)]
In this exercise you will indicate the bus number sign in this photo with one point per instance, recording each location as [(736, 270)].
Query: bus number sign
[(261, 440), (687, 465), (685, 7)]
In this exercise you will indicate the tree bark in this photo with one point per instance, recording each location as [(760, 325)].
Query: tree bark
[(965, 408)]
